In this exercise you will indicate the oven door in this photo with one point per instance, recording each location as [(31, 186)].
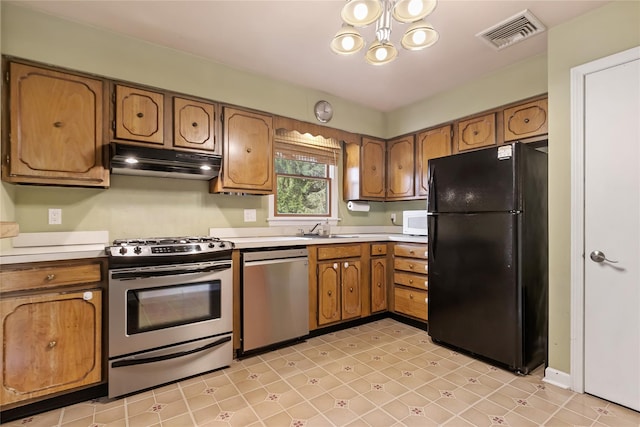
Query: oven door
[(158, 306)]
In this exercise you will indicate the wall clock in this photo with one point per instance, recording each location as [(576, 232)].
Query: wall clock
[(323, 111)]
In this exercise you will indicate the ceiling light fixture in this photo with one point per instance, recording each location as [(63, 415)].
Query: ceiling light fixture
[(360, 13)]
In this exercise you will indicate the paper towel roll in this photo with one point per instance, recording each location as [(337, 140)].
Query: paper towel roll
[(358, 206)]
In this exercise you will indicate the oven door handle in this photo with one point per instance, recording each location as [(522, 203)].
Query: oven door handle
[(130, 275), (131, 362)]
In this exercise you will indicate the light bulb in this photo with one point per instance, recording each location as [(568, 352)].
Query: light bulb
[(415, 7), (381, 54), (419, 37), (131, 160), (205, 167), (348, 43), (360, 11)]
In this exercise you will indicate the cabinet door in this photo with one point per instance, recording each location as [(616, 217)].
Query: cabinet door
[(477, 132), (248, 153), (194, 124), (430, 144), (56, 127), (351, 300), (372, 171), (526, 120), (378, 284), (50, 343), (328, 292), (400, 168), (139, 115)]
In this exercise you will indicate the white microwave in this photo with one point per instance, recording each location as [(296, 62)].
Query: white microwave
[(414, 222)]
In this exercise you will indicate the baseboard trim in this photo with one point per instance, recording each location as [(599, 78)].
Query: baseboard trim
[(557, 378)]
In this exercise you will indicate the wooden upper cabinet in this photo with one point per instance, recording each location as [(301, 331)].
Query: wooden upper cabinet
[(56, 128), (400, 168), (477, 132), (139, 115), (194, 124), (372, 171), (248, 153), (526, 120), (430, 144)]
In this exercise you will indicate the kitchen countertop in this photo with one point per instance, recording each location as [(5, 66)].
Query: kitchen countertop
[(275, 241)]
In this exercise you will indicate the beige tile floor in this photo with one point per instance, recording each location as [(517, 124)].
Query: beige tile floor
[(382, 374)]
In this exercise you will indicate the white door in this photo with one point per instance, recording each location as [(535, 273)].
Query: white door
[(612, 234)]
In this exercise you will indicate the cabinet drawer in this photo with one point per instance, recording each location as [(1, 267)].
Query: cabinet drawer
[(48, 277), (378, 249), (411, 265), (411, 302), (413, 280), (411, 251), (331, 252)]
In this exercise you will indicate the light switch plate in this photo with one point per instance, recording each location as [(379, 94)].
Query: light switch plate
[(55, 216), (249, 215)]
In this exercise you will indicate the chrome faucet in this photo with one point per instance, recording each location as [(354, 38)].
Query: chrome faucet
[(314, 227)]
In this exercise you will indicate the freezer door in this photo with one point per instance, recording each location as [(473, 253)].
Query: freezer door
[(477, 181), (473, 287)]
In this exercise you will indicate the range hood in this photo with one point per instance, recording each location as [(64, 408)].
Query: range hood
[(134, 160)]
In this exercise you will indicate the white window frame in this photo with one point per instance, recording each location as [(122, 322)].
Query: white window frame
[(283, 220)]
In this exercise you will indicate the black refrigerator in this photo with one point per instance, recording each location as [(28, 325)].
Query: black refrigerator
[(488, 254)]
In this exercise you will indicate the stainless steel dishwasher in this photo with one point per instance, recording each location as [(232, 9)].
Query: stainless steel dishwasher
[(275, 297)]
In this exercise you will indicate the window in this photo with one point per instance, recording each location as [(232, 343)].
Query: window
[(306, 183), (302, 188)]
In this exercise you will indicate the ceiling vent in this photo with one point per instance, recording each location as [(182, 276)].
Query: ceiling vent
[(512, 30)]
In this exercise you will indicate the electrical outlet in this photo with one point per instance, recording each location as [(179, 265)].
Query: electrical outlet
[(55, 216), (249, 215), (393, 217)]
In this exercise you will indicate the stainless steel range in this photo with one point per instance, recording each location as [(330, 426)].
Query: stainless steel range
[(170, 310)]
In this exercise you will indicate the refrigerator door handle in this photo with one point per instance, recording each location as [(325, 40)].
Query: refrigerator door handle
[(431, 190), (433, 237)]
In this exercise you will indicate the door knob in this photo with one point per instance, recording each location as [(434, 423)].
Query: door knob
[(598, 256)]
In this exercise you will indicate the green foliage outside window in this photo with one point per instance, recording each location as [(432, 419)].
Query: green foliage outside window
[(302, 188)]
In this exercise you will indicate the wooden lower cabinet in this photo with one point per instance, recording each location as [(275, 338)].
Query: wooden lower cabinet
[(338, 291), (51, 329), (410, 280), (378, 273), (51, 343)]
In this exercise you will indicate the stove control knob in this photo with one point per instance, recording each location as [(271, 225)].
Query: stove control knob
[(138, 250), (123, 250), (222, 244), (211, 245)]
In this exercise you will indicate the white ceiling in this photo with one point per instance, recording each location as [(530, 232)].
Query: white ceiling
[(289, 40)]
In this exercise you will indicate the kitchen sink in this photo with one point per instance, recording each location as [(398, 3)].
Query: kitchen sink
[(330, 236)]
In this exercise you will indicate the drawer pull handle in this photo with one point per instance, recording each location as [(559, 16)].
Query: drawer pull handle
[(379, 249), (329, 293), (140, 115), (411, 252), (50, 277), (411, 266), (410, 280), (410, 296), (52, 344), (57, 125)]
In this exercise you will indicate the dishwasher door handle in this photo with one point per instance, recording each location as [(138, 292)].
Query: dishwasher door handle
[(274, 261)]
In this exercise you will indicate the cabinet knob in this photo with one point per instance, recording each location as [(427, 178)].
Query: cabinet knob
[(411, 252), (526, 120), (399, 166), (57, 125), (335, 265), (346, 264), (373, 168), (329, 293), (50, 277), (248, 149), (52, 344), (350, 289), (475, 133), (140, 115), (194, 124), (411, 266), (379, 249), (410, 280), (379, 285), (410, 296)]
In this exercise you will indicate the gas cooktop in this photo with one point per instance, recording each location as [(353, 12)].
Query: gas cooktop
[(164, 246)]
